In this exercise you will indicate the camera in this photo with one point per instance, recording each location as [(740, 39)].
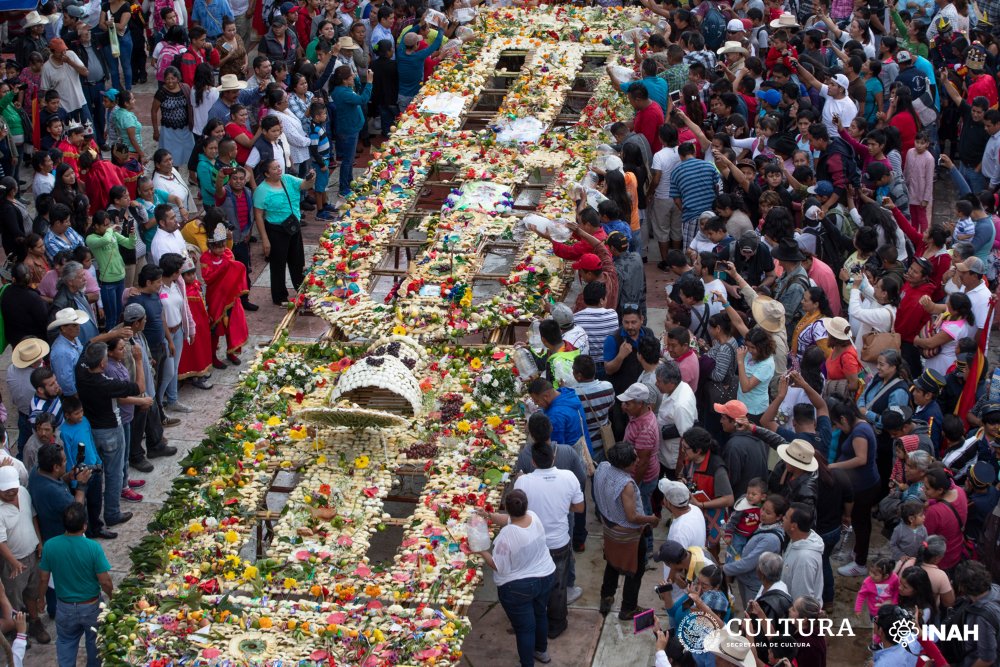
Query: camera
[(663, 588), (856, 268)]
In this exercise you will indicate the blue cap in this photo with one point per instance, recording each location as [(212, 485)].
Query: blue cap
[(111, 94), (822, 188), (771, 96)]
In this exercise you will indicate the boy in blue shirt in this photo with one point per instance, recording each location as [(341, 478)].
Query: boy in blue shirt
[(75, 431), (321, 153)]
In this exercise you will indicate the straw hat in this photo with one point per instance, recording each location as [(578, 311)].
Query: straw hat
[(32, 19), (346, 43), (734, 649), (799, 454), (230, 82), (769, 314), (786, 20), (732, 47), (28, 352), (837, 327), (69, 316)]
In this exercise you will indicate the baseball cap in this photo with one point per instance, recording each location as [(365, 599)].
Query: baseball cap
[(76, 11), (972, 265), (9, 478), (749, 239), (676, 493), (771, 96), (639, 391), (617, 241), (822, 188), (903, 57), (894, 416), (840, 80), (587, 262), (563, 316), (670, 551), (735, 25), (733, 409), (56, 44), (133, 313)]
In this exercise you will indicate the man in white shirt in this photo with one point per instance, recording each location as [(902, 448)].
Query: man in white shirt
[(664, 216), (687, 524), (971, 272), (678, 412), (62, 72), (168, 236), (552, 494), (837, 102), (19, 550)]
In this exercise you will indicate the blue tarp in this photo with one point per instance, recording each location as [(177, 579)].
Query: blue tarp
[(17, 6)]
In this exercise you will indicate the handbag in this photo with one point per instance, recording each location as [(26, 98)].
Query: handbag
[(113, 36), (291, 224), (581, 448), (875, 343), (606, 432), (724, 391), (930, 329)]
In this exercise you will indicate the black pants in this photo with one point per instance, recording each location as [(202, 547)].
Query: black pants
[(138, 54), (558, 612), (861, 521), (911, 355), (630, 593), (241, 251), (285, 251), (94, 497), (146, 423)]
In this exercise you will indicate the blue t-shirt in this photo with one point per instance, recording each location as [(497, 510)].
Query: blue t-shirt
[(50, 498), (657, 88), (866, 476), (155, 333), (72, 436), (756, 399), (617, 226)]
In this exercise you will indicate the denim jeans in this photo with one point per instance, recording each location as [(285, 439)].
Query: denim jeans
[(346, 145), (526, 603), (111, 446), (125, 48), (72, 622), (111, 297), (168, 378), (563, 558), (646, 493), (127, 430), (975, 179)]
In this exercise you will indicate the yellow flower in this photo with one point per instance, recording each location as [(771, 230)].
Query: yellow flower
[(361, 462), (260, 457), (467, 406), (378, 635), (230, 576), (298, 433), (321, 459), (286, 464), (232, 536), (399, 330), (248, 448), (464, 426), (266, 623), (191, 472), (196, 528), (493, 421), (476, 363), (289, 583), (274, 421), (307, 499)]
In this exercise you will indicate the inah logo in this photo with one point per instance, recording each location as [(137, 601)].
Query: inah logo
[(693, 629), (904, 632)]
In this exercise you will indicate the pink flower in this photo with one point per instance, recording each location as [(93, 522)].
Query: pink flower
[(344, 541), (302, 555), (362, 571)]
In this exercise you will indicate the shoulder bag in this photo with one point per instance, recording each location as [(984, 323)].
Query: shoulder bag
[(875, 343), (606, 432), (291, 224)]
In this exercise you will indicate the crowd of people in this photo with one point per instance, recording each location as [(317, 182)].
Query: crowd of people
[(822, 369)]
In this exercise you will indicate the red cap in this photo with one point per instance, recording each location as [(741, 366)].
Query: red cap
[(58, 45), (588, 262), (732, 409)]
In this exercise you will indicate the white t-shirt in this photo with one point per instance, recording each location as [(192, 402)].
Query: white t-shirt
[(664, 162), (980, 298), (521, 553), (688, 530), (42, 184), (173, 304), (715, 285), (66, 80), (844, 107), (578, 338), (17, 527), (550, 493), (209, 97)]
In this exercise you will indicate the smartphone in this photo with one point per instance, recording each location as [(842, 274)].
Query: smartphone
[(644, 621), (675, 96), (229, 171), (663, 588)]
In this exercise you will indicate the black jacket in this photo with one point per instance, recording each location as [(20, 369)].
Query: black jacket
[(78, 48)]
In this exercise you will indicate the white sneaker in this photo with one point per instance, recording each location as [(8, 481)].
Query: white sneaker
[(852, 569), (177, 406), (573, 594)]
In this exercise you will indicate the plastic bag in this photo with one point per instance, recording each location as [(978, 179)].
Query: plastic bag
[(525, 130), (478, 533), (449, 104), (623, 74), (556, 229)]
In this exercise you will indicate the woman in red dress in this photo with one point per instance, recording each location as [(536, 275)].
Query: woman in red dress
[(225, 282), (196, 362)]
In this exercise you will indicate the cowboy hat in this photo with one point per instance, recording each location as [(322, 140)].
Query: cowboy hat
[(29, 351), (69, 316), (32, 19), (734, 649), (786, 20), (769, 314), (732, 47), (346, 44), (788, 251), (837, 327), (230, 82), (799, 454)]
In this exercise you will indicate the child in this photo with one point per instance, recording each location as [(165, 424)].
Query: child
[(745, 518), (918, 170), (196, 362), (75, 432), (109, 99), (774, 181), (780, 51), (321, 153), (85, 256), (965, 228), (51, 108), (909, 533), (225, 282), (890, 264), (53, 133), (880, 587)]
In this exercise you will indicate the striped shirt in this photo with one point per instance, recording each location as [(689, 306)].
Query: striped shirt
[(644, 435), (51, 405), (599, 323), (694, 182), (597, 397)]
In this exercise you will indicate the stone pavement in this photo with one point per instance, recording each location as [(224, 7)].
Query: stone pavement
[(592, 640)]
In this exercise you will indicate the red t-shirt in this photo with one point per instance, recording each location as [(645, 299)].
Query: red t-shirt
[(940, 520), (234, 130), (647, 123)]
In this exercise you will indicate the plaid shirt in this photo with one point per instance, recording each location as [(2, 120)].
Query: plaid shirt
[(706, 58), (841, 9), (53, 243), (991, 9), (675, 76)]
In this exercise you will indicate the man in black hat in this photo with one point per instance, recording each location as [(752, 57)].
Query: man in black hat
[(925, 391), (897, 421), (752, 259), (793, 283), (980, 487)]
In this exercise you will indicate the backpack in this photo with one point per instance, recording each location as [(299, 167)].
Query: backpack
[(828, 245), (713, 28), (169, 57), (850, 160), (954, 650)]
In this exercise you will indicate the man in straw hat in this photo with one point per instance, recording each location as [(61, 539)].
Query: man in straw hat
[(233, 91), (32, 39), (67, 347), (26, 357)]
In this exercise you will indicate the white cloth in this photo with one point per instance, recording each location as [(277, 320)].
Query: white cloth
[(17, 526), (943, 360), (65, 80), (578, 338), (714, 285), (844, 107), (174, 184), (870, 315), (298, 139), (42, 184), (209, 98), (680, 409), (550, 493), (980, 298), (173, 302), (254, 158), (164, 242), (688, 530), (522, 553), (664, 162)]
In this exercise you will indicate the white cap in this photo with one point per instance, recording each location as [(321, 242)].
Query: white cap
[(735, 25), (9, 478), (840, 80)]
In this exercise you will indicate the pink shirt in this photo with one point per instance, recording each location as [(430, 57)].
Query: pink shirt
[(644, 434), (822, 275), (688, 365)]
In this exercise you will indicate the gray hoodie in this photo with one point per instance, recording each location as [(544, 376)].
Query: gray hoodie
[(765, 538), (803, 568)]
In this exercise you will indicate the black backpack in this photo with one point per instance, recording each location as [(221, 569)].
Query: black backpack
[(955, 650), (713, 28)]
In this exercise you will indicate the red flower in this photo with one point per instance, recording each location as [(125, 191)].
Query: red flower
[(324, 489)]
